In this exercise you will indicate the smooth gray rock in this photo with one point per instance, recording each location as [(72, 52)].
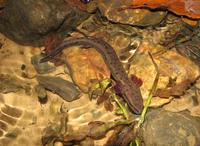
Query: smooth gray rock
[(65, 89), (41, 68), (164, 128)]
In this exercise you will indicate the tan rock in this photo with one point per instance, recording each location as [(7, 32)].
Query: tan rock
[(171, 65), (85, 65)]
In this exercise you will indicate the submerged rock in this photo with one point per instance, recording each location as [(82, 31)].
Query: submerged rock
[(164, 128), (172, 67), (190, 49), (41, 68), (9, 83), (29, 22), (85, 65), (114, 11), (67, 90)]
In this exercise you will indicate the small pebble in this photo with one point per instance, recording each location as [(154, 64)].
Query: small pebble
[(42, 94)]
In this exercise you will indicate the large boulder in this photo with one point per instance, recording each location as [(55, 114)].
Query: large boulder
[(30, 21), (164, 128)]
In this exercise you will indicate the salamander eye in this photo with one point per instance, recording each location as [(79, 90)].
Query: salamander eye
[(85, 1)]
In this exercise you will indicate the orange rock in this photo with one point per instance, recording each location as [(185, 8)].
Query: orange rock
[(190, 22), (78, 4), (2, 3), (189, 8), (171, 65), (86, 65)]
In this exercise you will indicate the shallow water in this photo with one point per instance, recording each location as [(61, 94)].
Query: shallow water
[(25, 117)]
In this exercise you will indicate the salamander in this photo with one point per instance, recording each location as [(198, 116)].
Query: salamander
[(129, 91)]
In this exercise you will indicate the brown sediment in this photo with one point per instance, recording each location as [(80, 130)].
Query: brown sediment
[(3, 126), (11, 111), (8, 119)]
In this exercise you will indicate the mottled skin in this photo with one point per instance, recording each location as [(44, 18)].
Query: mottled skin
[(130, 92)]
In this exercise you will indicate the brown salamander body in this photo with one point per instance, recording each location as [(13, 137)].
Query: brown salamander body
[(130, 92)]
